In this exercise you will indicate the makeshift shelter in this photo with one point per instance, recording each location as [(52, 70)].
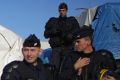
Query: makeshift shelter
[(86, 17), (107, 28)]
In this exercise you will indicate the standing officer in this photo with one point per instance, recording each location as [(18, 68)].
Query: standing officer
[(60, 32), (31, 68)]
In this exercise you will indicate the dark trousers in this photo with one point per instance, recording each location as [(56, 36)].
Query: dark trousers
[(58, 54), (55, 57)]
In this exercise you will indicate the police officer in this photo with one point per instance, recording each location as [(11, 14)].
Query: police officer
[(60, 32), (91, 62), (85, 63), (31, 68)]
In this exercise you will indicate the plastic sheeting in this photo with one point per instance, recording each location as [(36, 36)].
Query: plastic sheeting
[(45, 56), (107, 28)]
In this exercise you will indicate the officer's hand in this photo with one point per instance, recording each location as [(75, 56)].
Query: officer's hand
[(81, 63), (108, 78)]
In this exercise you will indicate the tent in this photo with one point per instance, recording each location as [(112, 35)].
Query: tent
[(107, 28), (106, 25), (10, 47), (86, 17), (45, 55)]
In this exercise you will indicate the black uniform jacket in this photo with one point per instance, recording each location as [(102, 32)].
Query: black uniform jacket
[(61, 31), (102, 59), (21, 70)]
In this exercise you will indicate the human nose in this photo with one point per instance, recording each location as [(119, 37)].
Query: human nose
[(29, 52)]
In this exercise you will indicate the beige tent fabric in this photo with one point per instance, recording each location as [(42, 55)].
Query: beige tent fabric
[(86, 17)]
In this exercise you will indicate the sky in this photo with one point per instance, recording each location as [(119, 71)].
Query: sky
[(25, 17)]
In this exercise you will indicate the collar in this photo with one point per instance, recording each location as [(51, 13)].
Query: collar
[(62, 18), (82, 54), (38, 66)]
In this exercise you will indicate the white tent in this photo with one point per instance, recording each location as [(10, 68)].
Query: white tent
[(45, 44), (10, 47)]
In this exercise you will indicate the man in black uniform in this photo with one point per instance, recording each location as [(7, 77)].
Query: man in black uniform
[(85, 63), (60, 32), (90, 62), (31, 68)]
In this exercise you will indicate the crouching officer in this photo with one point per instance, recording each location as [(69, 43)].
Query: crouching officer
[(89, 62), (60, 31), (31, 68)]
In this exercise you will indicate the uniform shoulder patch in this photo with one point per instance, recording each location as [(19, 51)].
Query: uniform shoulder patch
[(13, 65)]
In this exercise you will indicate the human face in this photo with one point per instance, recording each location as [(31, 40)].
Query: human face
[(31, 54), (63, 12), (81, 44)]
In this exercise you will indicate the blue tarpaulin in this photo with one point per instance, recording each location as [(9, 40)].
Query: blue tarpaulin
[(45, 56), (107, 28)]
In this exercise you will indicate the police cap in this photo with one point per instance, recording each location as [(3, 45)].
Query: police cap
[(85, 31), (32, 41)]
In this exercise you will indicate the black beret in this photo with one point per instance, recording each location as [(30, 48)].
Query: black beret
[(31, 41), (84, 31)]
